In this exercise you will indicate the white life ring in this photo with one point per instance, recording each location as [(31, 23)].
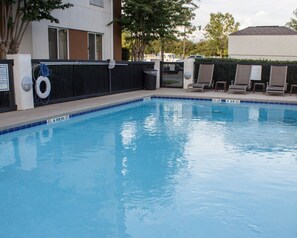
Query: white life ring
[(47, 91)]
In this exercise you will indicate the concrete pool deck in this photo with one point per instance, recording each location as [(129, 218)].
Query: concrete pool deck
[(19, 118)]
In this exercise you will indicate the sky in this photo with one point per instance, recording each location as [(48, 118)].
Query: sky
[(246, 12)]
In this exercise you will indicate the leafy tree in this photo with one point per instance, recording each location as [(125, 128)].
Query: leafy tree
[(175, 17), (16, 16), (136, 22), (176, 47), (293, 23), (218, 30), (203, 48), (148, 20), (181, 48)]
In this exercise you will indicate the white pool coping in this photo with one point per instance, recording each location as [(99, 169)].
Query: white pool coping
[(15, 119)]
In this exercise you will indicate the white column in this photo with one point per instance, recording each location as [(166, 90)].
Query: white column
[(188, 72), (22, 68), (157, 67), (111, 31)]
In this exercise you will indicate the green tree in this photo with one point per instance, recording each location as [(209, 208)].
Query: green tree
[(153, 47), (293, 22), (177, 46), (16, 16), (204, 48), (218, 30), (136, 22), (148, 20), (175, 18)]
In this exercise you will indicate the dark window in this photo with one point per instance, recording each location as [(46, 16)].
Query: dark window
[(58, 43), (52, 42), (95, 46)]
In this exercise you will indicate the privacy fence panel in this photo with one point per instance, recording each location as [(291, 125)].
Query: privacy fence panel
[(84, 79), (7, 96), (128, 76)]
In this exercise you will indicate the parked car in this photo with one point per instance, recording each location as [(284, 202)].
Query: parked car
[(169, 57), (195, 57)]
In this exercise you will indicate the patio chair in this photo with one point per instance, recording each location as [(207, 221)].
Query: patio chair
[(277, 80), (204, 77), (242, 80)]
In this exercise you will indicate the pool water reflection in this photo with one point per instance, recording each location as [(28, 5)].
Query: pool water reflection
[(159, 168)]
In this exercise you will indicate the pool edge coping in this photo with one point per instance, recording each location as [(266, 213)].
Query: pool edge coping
[(71, 114), (79, 112)]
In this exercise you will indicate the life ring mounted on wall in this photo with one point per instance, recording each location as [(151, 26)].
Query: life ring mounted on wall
[(39, 81)]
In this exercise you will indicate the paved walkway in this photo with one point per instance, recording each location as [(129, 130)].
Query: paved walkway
[(18, 118)]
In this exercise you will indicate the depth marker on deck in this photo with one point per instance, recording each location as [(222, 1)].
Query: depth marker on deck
[(216, 100), (57, 119), (232, 101)]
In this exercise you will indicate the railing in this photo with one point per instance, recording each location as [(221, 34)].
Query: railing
[(7, 99), (72, 80)]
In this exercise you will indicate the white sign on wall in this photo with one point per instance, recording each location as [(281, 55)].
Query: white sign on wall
[(4, 79), (256, 72)]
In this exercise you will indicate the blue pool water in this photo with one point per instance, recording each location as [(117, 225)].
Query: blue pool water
[(159, 168)]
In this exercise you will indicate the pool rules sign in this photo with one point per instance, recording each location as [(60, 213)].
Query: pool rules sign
[(4, 79), (256, 72)]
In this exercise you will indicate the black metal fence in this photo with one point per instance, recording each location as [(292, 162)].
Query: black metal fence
[(72, 80), (171, 74), (7, 99), (225, 71)]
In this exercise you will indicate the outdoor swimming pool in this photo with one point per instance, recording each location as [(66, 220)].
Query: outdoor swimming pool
[(157, 168)]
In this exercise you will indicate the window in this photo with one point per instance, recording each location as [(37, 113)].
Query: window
[(58, 43), (99, 3), (95, 46), (63, 46), (52, 43)]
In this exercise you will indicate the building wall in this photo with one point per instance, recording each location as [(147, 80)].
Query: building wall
[(280, 47), (26, 45), (83, 17)]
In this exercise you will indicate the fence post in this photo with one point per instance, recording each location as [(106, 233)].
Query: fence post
[(188, 72), (22, 69)]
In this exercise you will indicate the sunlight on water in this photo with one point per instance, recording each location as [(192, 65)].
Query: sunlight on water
[(159, 168)]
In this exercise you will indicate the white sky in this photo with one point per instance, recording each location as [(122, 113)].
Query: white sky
[(246, 12)]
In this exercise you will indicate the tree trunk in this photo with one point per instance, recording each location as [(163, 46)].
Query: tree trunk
[(184, 47), (4, 47), (138, 50), (141, 52), (135, 52), (162, 49), (14, 47)]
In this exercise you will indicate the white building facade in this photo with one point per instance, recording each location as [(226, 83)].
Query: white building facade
[(85, 32), (264, 42)]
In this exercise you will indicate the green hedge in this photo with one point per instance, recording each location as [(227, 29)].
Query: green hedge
[(246, 61)]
